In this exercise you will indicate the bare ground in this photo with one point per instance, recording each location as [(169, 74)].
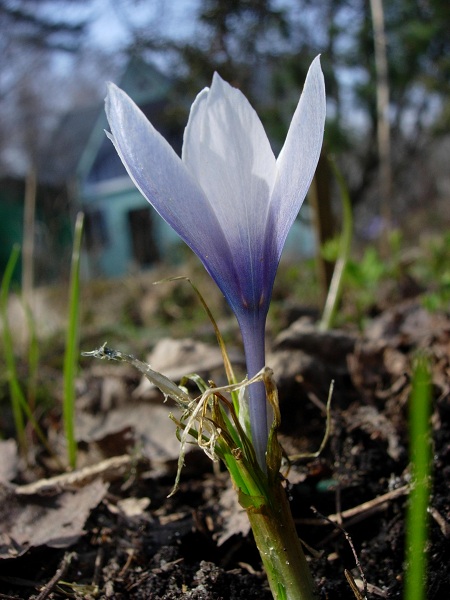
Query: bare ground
[(113, 532)]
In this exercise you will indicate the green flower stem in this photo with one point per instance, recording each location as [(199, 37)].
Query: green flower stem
[(280, 548)]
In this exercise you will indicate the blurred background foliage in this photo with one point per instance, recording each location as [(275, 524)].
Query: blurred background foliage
[(58, 54)]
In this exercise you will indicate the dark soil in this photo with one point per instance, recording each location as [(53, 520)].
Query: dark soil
[(170, 549)]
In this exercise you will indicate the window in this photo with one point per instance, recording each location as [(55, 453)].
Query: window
[(96, 230), (145, 249)]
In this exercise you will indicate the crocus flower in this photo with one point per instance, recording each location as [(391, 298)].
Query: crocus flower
[(228, 197)]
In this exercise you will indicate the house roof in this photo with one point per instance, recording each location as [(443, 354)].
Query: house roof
[(69, 141), (80, 135)]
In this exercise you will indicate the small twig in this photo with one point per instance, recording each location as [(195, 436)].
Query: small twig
[(314, 399), (362, 511), (106, 468), (167, 566), (443, 524), (338, 500), (98, 568), (374, 590), (369, 506), (65, 563), (128, 562), (352, 547), (352, 584)]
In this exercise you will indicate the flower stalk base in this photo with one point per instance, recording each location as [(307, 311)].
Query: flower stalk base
[(280, 548)]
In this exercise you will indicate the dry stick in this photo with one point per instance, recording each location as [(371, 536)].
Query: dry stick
[(60, 573), (319, 197), (109, 467), (370, 505), (348, 576), (363, 510), (28, 237), (383, 126), (352, 584), (443, 524), (126, 566), (29, 226), (366, 509), (98, 568)]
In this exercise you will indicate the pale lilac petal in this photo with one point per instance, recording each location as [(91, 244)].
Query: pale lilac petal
[(298, 158), (228, 152), (152, 163), (164, 181)]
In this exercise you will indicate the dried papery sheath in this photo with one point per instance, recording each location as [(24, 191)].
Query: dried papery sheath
[(208, 419), (199, 421)]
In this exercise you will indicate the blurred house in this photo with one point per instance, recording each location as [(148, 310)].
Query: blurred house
[(82, 171), (123, 233)]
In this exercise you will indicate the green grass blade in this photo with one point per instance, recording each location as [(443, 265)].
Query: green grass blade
[(20, 407), (17, 397), (72, 346), (33, 359), (420, 453), (345, 242)]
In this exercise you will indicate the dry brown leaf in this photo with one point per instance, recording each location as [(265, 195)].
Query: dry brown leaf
[(55, 521)]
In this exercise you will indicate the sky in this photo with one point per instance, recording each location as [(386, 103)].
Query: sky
[(110, 18)]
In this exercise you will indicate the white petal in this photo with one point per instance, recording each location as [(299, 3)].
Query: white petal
[(163, 179), (227, 150), (298, 158)]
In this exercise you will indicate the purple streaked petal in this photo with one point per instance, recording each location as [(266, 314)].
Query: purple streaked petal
[(298, 158), (228, 152)]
